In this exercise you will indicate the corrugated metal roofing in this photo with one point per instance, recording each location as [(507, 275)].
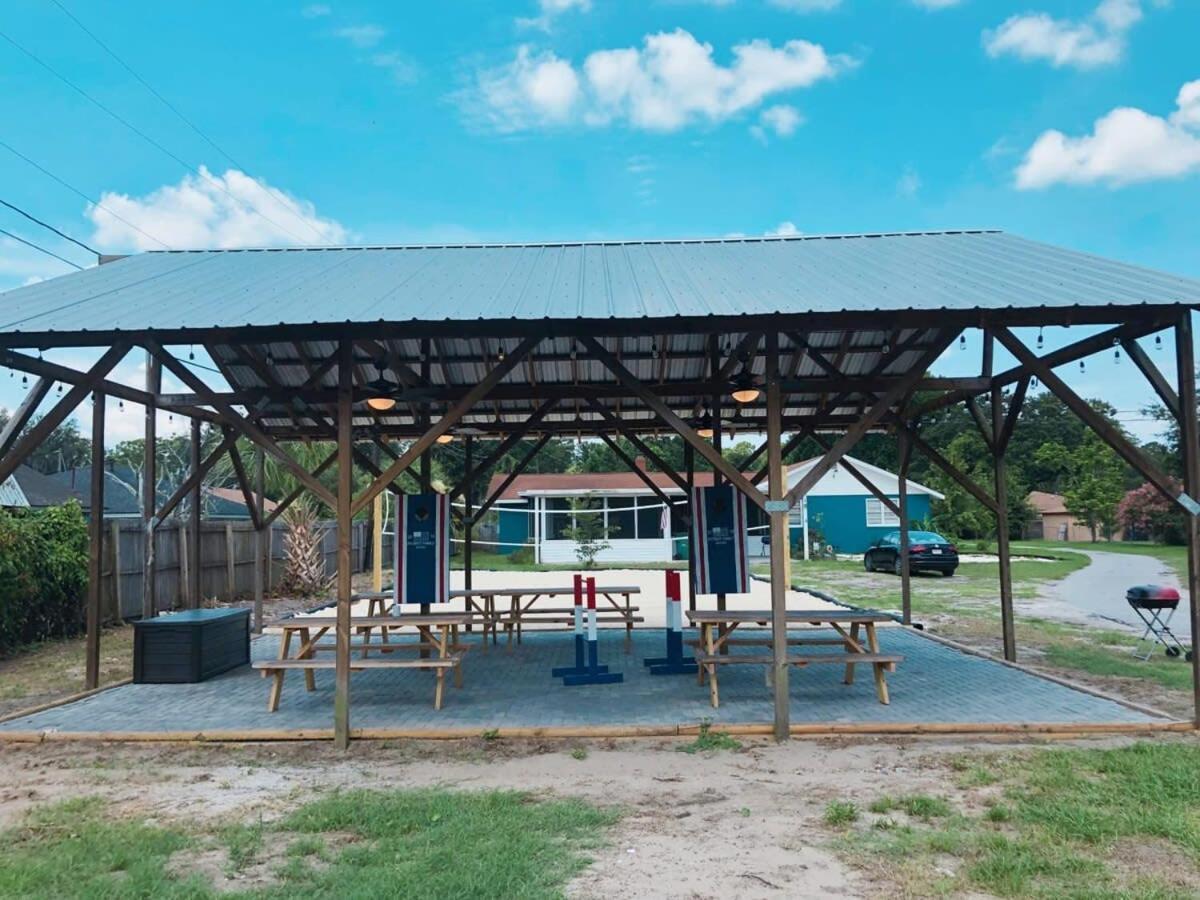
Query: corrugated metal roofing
[(962, 270)]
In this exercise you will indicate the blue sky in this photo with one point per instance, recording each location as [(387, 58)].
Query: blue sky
[(1072, 122)]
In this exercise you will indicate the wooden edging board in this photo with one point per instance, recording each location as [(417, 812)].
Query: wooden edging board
[(804, 730)]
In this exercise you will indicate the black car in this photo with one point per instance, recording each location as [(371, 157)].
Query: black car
[(927, 552)]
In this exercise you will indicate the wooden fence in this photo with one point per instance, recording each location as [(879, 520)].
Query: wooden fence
[(226, 562)]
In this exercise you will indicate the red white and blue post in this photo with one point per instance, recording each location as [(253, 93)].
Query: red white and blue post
[(580, 666), (673, 663), (593, 673)]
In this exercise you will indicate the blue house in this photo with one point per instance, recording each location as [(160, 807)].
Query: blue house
[(840, 512)]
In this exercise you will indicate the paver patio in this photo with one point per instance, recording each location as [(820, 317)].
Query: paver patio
[(934, 684)]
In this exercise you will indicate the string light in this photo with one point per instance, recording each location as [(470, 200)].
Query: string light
[(1158, 342), (962, 341), (1040, 340), (887, 348), (1082, 366), (192, 352), (1033, 381), (24, 380)]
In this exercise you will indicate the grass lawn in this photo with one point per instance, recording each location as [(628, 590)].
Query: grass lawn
[(423, 843), (1073, 823), (51, 669)]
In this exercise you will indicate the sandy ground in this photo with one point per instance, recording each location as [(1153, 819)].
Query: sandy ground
[(651, 582), (744, 824)]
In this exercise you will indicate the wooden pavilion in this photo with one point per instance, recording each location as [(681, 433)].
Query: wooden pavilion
[(385, 350)]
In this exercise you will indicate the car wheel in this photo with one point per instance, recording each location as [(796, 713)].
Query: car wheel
[(949, 573), (897, 567), (867, 562)]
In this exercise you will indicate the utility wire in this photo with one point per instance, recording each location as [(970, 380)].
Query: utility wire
[(33, 218), (96, 203), (39, 248), (151, 141), (188, 122)]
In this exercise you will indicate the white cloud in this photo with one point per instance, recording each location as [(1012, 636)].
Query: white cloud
[(1097, 40), (806, 6), (549, 10), (909, 183), (362, 36), (215, 211), (782, 120), (402, 69), (1126, 145), (784, 229), (316, 11), (669, 82)]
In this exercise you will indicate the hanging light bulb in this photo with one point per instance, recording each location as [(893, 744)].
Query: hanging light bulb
[(379, 391), (1082, 366), (1033, 382), (744, 389), (24, 380), (60, 389), (887, 348), (654, 346), (121, 405), (192, 352), (1158, 342), (704, 425), (270, 360), (444, 438), (1040, 340), (962, 341)]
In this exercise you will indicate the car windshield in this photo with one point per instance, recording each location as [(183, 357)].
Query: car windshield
[(925, 537)]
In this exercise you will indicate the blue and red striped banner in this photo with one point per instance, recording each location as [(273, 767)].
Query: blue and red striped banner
[(422, 549), (719, 538)]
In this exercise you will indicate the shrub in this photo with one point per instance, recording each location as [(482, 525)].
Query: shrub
[(43, 574), (522, 556)]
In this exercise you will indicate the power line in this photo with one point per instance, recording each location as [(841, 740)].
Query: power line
[(33, 218), (188, 122), (39, 248), (96, 203), (151, 141)]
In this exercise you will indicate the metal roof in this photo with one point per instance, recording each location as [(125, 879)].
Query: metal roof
[(177, 291)]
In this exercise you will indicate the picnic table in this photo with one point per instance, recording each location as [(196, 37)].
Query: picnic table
[(717, 628), (486, 606), (436, 632)]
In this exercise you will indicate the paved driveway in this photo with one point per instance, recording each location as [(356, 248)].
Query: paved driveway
[(1098, 591)]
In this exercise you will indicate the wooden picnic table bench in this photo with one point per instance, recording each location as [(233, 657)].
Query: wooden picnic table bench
[(524, 607), (437, 632), (717, 628)]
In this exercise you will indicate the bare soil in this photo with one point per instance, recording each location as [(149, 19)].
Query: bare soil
[(746, 823)]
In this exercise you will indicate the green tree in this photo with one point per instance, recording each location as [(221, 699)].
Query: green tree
[(64, 448), (588, 531), (1092, 478)]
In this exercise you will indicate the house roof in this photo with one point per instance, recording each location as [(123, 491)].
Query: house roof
[(121, 496), (628, 482), (1047, 503), (587, 482), (871, 472), (40, 490)]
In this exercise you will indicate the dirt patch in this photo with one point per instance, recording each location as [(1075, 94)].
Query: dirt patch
[(1132, 860), (227, 871), (743, 824)]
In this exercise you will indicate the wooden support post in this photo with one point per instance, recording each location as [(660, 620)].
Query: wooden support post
[(345, 496), (468, 524), (95, 545), (196, 512), (150, 489), (377, 543), (1189, 439), (714, 363), (905, 453), (230, 562), (262, 535), (689, 464), (185, 579), (776, 489), (1007, 623), (114, 538)]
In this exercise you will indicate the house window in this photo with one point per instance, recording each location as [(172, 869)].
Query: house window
[(879, 516), (649, 517), (558, 518), (622, 518)]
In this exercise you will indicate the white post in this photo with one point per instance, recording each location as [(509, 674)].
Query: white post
[(804, 514)]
